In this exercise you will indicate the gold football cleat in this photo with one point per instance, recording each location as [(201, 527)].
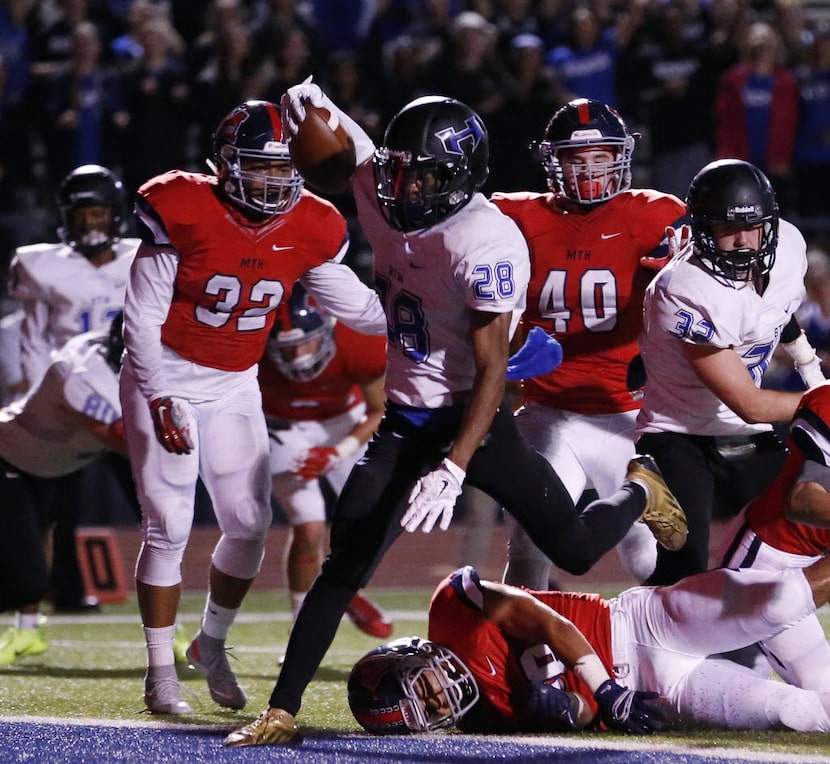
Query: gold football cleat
[(274, 726), (663, 514)]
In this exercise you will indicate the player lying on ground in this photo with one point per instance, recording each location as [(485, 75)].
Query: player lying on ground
[(502, 659)]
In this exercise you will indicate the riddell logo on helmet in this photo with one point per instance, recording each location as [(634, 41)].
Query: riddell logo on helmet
[(748, 209)]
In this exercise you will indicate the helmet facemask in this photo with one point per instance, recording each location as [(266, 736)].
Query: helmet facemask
[(588, 183), (433, 159), (440, 667), (303, 355), (743, 264), (410, 685), (418, 193), (95, 189), (252, 163), (264, 193), (725, 197)]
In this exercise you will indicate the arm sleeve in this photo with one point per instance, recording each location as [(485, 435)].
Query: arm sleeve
[(340, 292), (148, 298)]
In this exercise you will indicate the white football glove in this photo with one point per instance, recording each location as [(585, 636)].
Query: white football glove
[(292, 105), (434, 497)]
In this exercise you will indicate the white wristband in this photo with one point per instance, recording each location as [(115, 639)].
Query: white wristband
[(590, 670), (347, 446), (811, 373), (800, 350)]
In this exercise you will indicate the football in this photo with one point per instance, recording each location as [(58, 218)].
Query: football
[(323, 152)]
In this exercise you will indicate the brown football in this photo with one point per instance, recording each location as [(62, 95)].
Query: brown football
[(323, 152)]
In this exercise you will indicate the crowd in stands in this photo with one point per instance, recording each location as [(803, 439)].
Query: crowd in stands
[(139, 86)]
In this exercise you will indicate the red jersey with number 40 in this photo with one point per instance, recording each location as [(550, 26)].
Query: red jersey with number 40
[(232, 273), (586, 288), (809, 439), (358, 360)]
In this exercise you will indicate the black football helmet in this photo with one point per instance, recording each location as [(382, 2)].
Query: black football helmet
[(433, 159), (91, 185), (384, 687), (253, 131), (733, 192), (301, 343), (586, 123)]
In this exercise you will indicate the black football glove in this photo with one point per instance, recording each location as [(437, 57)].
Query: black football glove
[(550, 708), (638, 713)]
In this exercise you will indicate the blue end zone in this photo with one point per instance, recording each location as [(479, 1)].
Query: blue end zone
[(111, 744)]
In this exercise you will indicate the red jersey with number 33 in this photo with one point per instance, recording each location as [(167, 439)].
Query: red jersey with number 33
[(232, 273), (586, 287)]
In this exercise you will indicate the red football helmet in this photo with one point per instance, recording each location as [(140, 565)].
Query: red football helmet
[(247, 141)]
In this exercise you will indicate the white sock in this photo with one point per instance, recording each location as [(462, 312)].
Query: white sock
[(27, 621), (217, 620), (297, 599), (159, 646)]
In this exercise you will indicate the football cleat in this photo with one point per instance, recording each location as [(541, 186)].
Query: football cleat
[(163, 695), (368, 617), (18, 643), (273, 726), (663, 514), (180, 644), (213, 665)]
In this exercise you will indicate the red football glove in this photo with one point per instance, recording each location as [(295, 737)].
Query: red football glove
[(171, 425), (676, 241), (316, 462)]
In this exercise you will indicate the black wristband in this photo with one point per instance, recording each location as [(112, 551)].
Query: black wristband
[(791, 331)]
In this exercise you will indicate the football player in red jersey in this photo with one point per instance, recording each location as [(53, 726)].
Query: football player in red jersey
[(219, 253), (594, 244), (788, 526), (503, 659), (322, 391)]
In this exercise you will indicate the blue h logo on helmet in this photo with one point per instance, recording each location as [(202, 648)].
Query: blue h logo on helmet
[(451, 138)]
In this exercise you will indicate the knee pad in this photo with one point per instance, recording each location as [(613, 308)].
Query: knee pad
[(166, 532), (159, 565), (238, 557)]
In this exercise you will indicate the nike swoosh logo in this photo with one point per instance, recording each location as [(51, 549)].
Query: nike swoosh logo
[(610, 235), (490, 664), (279, 249)]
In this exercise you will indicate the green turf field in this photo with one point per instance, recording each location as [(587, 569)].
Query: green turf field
[(95, 665)]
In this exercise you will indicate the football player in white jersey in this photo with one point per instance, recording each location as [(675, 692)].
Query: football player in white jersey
[(711, 321), (66, 289), (67, 420), (452, 273), (78, 285)]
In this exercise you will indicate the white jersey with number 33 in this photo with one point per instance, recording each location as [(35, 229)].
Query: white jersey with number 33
[(685, 303)]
